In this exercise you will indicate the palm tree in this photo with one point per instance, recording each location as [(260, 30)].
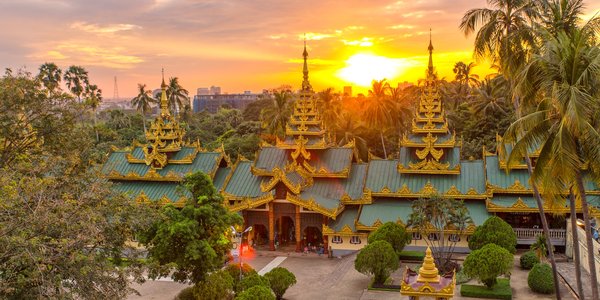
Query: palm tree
[(505, 36), (142, 101), (176, 94), (560, 15), (564, 77), (76, 78), (349, 129), (329, 107), (93, 97), (379, 109), (489, 98), (50, 75), (275, 117), (464, 74)]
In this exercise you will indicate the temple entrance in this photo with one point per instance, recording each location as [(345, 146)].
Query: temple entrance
[(284, 231), (312, 236), (259, 235)]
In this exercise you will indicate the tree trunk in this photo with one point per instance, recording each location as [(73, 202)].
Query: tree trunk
[(144, 120), (540, 204), (588, 236), (383, 144), (576, 255), (96, 126)]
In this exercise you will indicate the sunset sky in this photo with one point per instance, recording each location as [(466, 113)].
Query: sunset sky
[(236, 44)]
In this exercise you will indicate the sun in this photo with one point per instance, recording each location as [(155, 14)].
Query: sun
[(361, 69)]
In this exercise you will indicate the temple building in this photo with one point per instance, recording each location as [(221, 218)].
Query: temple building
[(304, 189)]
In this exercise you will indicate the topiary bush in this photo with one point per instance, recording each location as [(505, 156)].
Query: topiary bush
[(217, 286), (488, 263), (540, 279), (257, 292), (234, 272), (392, 233), (280, 279), (378, 259), (186, 294), (528, 260), (253, 279), (494, 231)]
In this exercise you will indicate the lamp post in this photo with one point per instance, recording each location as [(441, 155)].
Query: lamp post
[(241, 236)]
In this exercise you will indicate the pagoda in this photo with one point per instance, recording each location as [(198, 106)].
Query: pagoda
[(428, 283), (151, 172)]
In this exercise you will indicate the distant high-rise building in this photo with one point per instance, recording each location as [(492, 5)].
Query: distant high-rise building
[(215, 90), (203, 91), (348, 91), (212, 103)]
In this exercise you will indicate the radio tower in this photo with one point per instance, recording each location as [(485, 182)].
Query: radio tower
[(116, 91)]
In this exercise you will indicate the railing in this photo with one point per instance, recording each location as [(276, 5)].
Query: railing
[(532, 233)]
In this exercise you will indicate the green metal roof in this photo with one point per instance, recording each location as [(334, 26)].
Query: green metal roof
[(386, 210), (335, 188), (243, 183), (477, 211), (220, 176), (500, 177), (153, 190), (204, 161), (508, 200), (333, 159), (383, 173), (347, 217), (271, 157)]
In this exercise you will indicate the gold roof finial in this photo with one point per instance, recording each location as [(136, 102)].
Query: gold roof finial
[(164, 104), (305, 83), (428, 272), (430, 48)]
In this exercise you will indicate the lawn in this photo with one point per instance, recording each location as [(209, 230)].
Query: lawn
[(501, 290)]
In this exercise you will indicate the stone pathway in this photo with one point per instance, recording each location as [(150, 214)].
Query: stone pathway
[(270, 266), (567, 272)]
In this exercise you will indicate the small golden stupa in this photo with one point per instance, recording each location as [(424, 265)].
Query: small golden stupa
[(428, 272)]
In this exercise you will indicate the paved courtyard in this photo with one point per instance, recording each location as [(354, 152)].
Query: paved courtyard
[(322, 278)]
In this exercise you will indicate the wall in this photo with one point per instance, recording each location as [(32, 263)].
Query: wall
[(582, 249)]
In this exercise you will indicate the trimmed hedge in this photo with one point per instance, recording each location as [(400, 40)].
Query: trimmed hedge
[(412, 255), (540, 279), (186, 294), (501, 290), (528, 260)]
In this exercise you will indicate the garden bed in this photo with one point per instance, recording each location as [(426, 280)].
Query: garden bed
[(412, 255), (501, 290)]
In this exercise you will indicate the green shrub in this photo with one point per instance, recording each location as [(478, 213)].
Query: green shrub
[(257, 292), (487, 263), (377, 259), (412, 255), (217, 286), (252, 279), (280, 279), (461, 277), (540, 279), (501, 290), (392, 233), (494, 231), (234, 272), (528, 260), (186, 294)]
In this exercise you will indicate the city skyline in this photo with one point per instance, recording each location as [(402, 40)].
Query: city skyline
[(235, 44)]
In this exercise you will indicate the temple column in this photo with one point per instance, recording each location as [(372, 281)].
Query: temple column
[(298, 230), (271, 227), (325, 238)]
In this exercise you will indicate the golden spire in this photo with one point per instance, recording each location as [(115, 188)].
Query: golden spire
[(430, 48), (305, 83), (428, 272), (164, 104)]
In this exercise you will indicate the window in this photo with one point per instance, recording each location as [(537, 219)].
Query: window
[(433, 237), (355, 240), (454, 238), (337, 239), (416, 236)]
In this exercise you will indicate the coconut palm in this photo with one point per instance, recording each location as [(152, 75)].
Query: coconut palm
[(464, 74), (348, 129), (275, 117), (328, 104), (76, 78), (93, 98), (379, 110), (50, 75), (489, 98), (142, 101), (176, 95), (565, 78)]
